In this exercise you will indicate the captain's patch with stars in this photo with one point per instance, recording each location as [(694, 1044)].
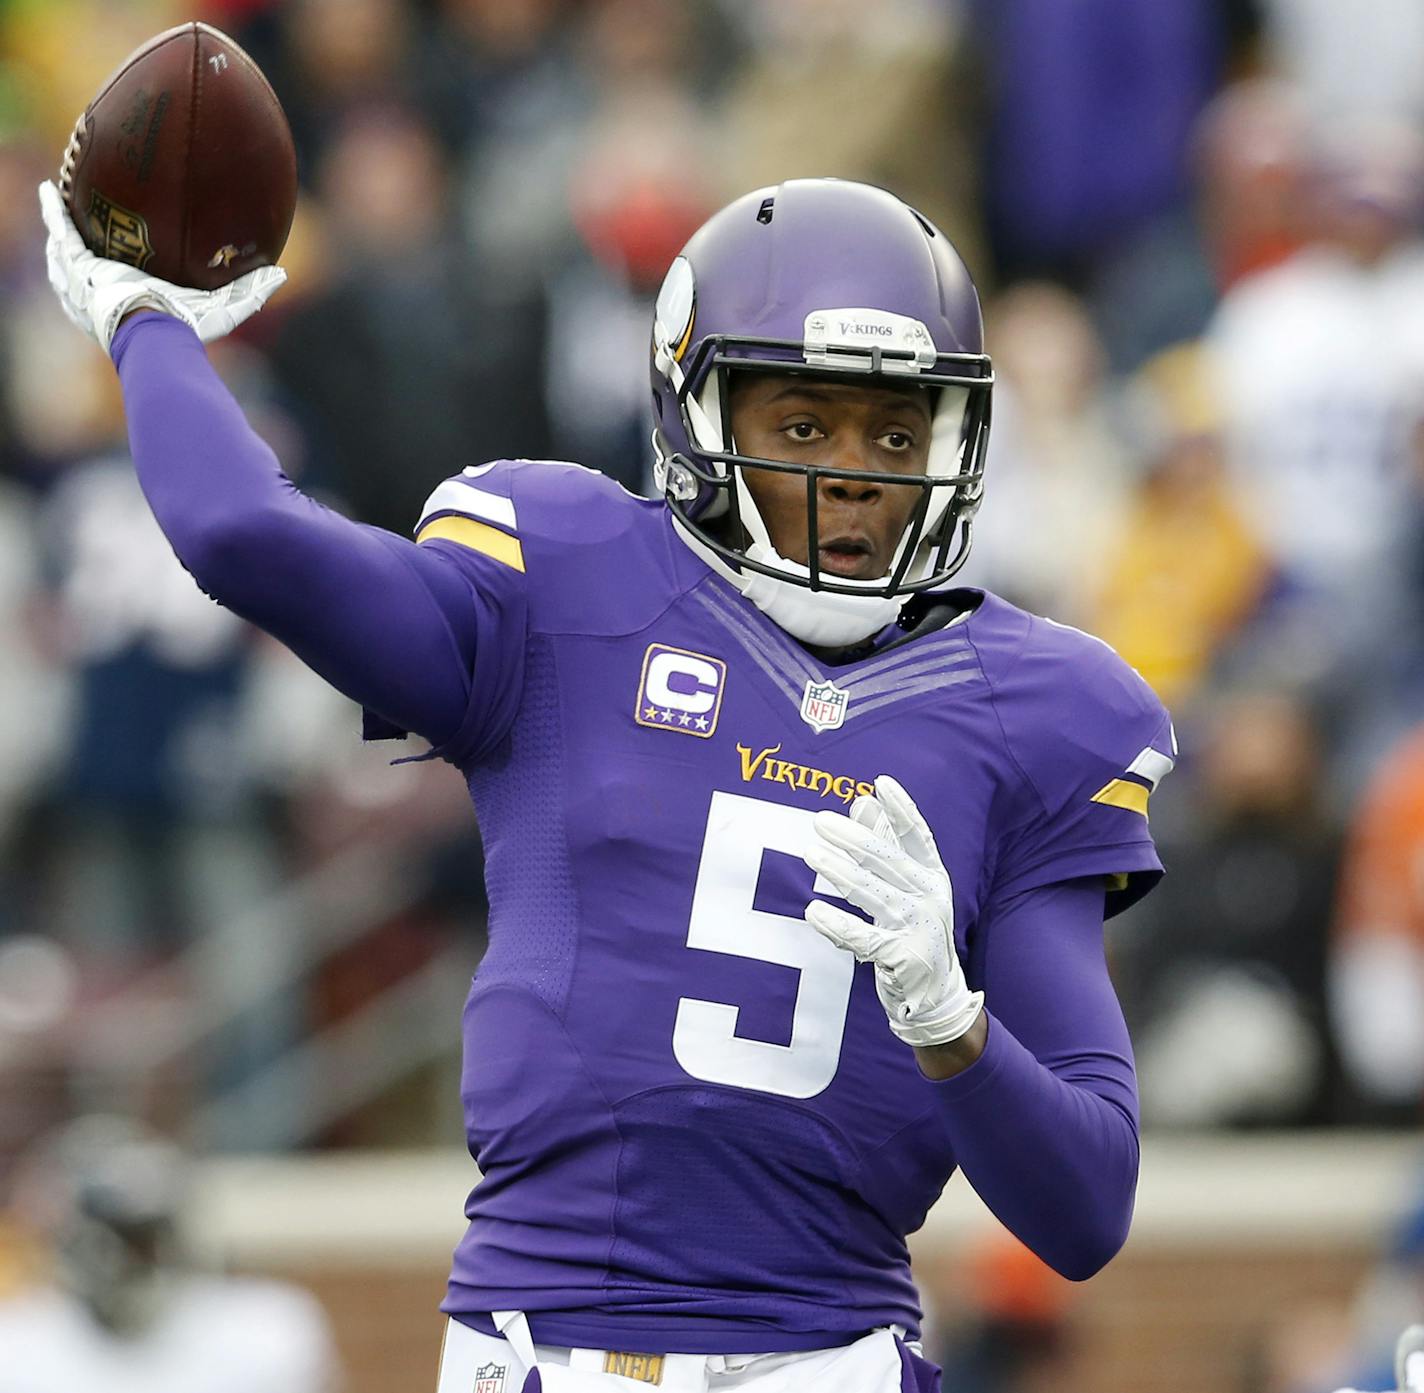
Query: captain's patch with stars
[(680, 691)]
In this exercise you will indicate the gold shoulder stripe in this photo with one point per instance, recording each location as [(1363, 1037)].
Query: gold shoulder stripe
[(478, 536), (1123, 793)]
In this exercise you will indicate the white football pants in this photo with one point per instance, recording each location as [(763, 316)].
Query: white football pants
[(471, 1362)]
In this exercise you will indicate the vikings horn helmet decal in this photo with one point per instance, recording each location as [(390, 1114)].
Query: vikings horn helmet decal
[(834, 279)]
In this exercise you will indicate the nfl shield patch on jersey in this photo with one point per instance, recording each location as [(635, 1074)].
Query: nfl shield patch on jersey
[(823, 707), (489, 1378)]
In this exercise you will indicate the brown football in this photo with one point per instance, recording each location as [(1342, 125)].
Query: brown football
[(183, 165)]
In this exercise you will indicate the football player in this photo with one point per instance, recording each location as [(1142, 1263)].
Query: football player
[(798, 856), (124, 1312)]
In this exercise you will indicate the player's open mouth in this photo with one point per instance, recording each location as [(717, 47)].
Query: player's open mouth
[(849, 556)]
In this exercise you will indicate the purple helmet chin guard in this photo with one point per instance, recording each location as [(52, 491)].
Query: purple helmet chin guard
[(836, 280)]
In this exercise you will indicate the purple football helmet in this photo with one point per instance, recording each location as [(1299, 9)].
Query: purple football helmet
[(833, 279)]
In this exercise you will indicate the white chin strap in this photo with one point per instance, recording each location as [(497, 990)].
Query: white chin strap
[(816, 617)]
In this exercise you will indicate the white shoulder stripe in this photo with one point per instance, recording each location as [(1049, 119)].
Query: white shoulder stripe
[(454, 497), (1152, 765)]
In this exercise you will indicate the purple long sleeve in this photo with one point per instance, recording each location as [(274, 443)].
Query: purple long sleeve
[(384, 621), (1044, 1123)]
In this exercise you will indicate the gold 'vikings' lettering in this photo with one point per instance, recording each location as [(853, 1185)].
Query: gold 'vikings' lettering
[(763, 763), (750, 765)]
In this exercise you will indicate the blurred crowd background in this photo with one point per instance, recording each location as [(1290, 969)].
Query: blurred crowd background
[(1196, 227)]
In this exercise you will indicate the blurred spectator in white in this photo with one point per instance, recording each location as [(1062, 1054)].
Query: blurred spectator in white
[(1222, 976), (1185, 570), (1248, 158), (892, 92), (1320, 362), (1360, 59), (1088, 109), (120, 1309), (409, 358), (153, 804), (1377, 966), (1057, 476), (148, 833)]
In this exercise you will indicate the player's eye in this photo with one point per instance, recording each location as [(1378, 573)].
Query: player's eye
[(802, 430), (897, 440)]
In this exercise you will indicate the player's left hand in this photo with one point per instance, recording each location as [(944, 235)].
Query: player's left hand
[(882, 859), (96, 293)]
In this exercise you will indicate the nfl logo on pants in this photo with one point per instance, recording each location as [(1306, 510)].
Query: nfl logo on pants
[(824, 706), (489, 1378)]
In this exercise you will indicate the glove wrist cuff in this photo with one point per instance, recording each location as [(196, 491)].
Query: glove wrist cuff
[(942, 1028), (138, 299)]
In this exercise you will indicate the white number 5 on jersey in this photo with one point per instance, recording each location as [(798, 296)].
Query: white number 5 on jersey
[(740, 831)]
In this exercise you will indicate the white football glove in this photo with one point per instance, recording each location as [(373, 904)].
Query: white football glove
[(97, 293), (882, 859)]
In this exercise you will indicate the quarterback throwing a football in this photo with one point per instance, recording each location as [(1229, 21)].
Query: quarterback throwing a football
[(798, 856)]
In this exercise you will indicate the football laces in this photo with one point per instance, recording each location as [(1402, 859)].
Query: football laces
[(71, 156)]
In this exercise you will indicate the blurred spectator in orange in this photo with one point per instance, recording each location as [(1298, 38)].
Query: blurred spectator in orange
[(1377, 963), (1009, 1329), (641, 188), (1248, 158), (1185, 570), (1222, 976), (1057, 472)]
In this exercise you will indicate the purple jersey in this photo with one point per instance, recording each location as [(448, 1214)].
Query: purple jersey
[(696, 1128), (689, 1110)]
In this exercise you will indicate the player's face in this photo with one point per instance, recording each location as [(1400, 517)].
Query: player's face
[(847, 426)]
